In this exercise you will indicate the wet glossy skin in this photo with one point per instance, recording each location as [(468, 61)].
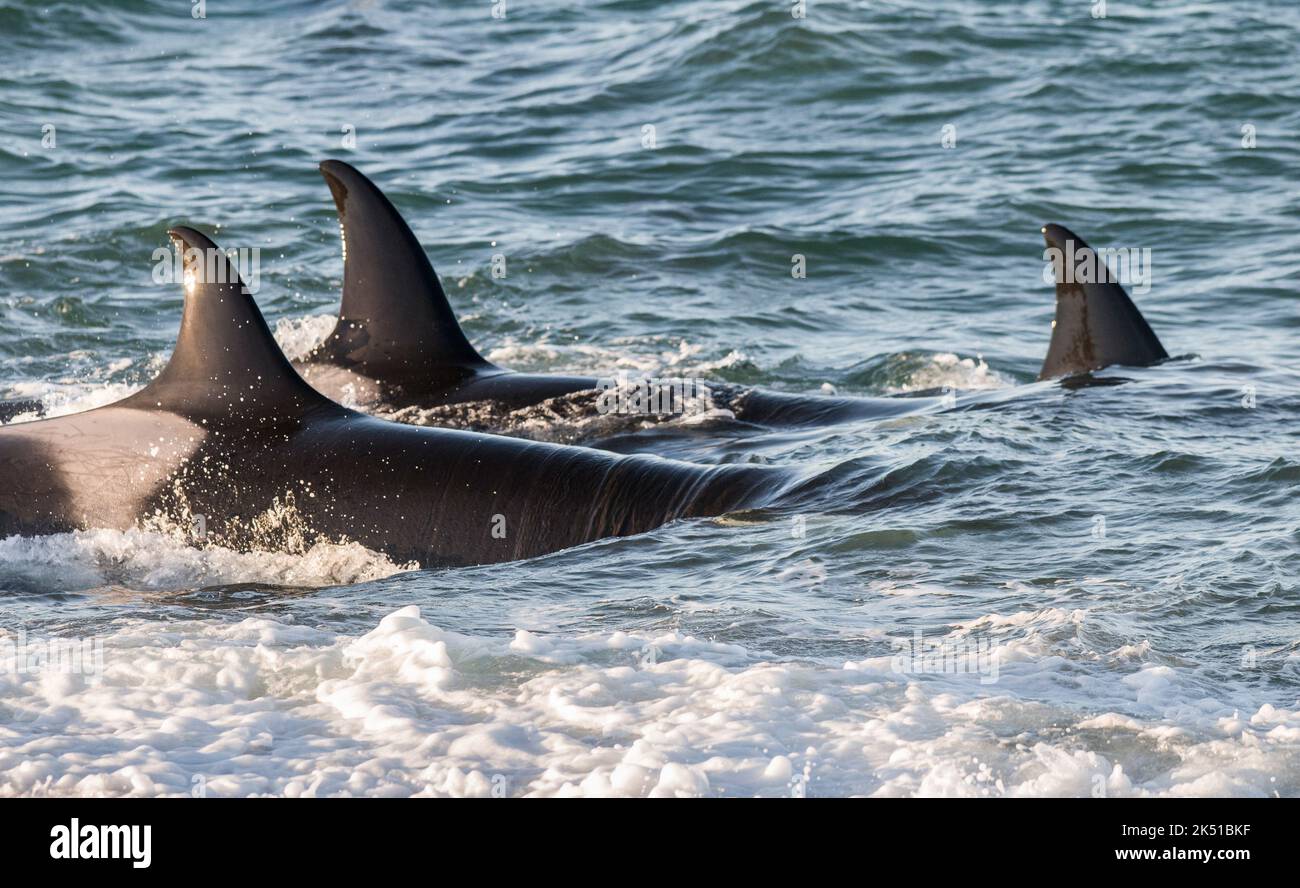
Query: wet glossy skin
[(1096, 324), (397, 343), (228, 431), (434, 496)]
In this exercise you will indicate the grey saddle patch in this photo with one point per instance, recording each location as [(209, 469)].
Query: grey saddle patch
[(564, 419)]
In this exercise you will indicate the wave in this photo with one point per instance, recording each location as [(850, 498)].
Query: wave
[(150, 560), (263, 707)]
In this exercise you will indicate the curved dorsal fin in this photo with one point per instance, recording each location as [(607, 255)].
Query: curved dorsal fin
[(1096, 324), (226, 364), (394, 319)]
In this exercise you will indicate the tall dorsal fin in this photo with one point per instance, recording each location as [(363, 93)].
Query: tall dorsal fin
[(394, 320), (226, 364), (1096, 324)]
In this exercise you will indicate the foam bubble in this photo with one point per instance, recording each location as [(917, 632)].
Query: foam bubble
[(298, 336), (683, 359), (147, 560), (948, 371), (261, 706), (94, 384)]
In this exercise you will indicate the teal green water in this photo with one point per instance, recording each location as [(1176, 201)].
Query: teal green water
[(1162, 657)]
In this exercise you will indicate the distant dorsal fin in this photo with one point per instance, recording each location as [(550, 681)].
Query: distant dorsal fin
[(1096, 324), (226, 364), (394, 320)]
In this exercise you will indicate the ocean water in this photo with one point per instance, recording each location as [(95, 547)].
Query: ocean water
[(1102, 580)]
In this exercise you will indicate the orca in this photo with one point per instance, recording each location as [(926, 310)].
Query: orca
[(397, 343), (1096, 324), (397, 348), (229, 440)]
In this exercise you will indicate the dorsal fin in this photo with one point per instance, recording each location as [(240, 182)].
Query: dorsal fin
[(1096, 324), (226, 364), (394, 320)]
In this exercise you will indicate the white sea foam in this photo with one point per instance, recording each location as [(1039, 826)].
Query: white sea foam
[(683, 359), (61, 399), (948, 371), (298, 336), (99, 386), (267, 707), (147, 561)]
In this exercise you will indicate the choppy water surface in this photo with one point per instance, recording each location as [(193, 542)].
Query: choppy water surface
[(1156, 654)]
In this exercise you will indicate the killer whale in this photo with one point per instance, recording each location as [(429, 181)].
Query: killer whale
[(1096, 323), (397, 342), (229, 436)]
